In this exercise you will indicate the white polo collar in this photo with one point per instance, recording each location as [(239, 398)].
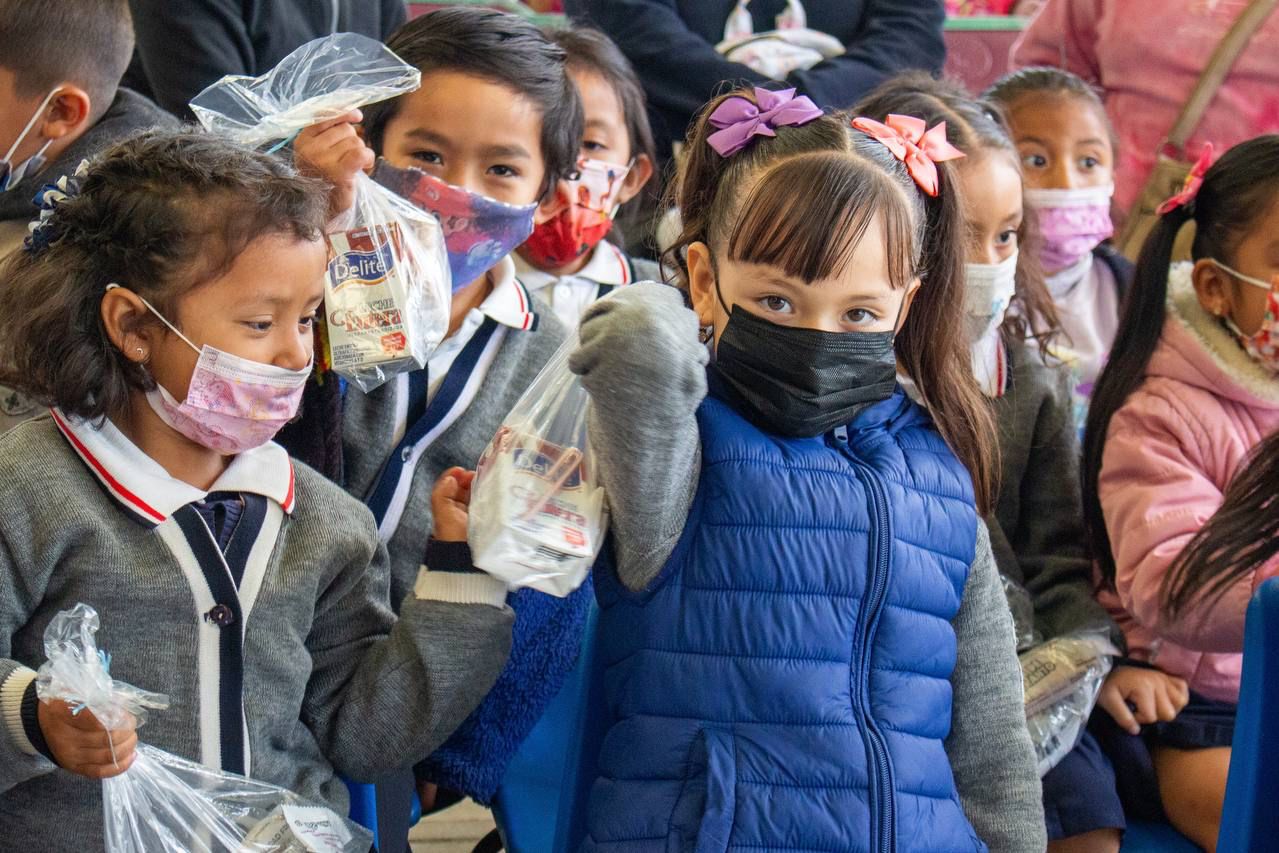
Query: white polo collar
[(509, 303), (607, 265), (149, 492)]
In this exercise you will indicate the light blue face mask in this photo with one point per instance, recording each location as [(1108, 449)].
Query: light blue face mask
[(11, 175)]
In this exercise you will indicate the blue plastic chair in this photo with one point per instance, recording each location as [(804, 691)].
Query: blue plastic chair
[(1250, 820), (363, 806), (540, 805), (1143, 837)]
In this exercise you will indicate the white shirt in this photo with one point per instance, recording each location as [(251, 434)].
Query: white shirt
[(570, 295), (1087, 302)]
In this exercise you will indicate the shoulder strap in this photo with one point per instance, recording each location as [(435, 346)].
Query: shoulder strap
[(1219, 66)]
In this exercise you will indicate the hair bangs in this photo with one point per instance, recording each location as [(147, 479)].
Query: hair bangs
[(808, 214)]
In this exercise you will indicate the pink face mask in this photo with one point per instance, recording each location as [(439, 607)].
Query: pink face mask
[(232, 404), (1071, 223)]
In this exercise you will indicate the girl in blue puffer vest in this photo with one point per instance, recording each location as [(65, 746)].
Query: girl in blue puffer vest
[(805, 638)]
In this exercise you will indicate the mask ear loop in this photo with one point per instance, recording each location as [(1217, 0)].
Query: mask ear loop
[(30, 124), (151, 308)]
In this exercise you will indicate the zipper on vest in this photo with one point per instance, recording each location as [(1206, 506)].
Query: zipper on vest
[(883, 810)]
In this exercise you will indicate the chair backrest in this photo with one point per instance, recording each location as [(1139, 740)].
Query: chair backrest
[(363, 806), (1250, 820), (541, 803)]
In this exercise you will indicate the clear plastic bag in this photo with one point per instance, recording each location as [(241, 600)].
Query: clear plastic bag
[(167, 804), (1062, 679), (1023, 610), (538, 515), (389, 291)]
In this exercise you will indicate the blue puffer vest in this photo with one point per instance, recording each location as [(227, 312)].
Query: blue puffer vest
[(784, 684)]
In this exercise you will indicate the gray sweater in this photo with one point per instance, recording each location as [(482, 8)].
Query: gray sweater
[(641, 361), (332, 682), (1037, 530), (368, 433)]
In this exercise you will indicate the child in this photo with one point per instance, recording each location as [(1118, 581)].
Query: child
[(797, 551), (496, 125), (59, 103), (1067, 149), (1192, 386), (249, 589), (567, 262), (1037, 529)]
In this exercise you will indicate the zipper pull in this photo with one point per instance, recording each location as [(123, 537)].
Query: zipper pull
[(841, 434)]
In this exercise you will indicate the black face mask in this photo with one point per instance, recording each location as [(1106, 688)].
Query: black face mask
[(803, 382)]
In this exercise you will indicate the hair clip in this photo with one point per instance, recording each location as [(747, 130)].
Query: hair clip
[(912, 143), (1190, 189), (740, 121), (44, 230)]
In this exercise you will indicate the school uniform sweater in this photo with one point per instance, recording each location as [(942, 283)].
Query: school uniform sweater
[(1037, 529), (296, 673), (640, 354)]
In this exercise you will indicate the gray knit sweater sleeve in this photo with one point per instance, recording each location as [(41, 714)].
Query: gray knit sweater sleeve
[(383, 692), (19, 760), (645, 370), (989, 748)]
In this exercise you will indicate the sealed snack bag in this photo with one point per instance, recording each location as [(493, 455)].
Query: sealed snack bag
[(538, 516), (389, 290), (167, 804), (1062, 679)]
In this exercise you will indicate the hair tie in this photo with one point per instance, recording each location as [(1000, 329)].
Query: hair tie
[(740, 121), (913, 144), (44, 230), (1190, 189)]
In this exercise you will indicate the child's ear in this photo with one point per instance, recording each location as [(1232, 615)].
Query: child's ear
[(69, 112), (636, 179), (553, 206), (124, 317), (907, 300), (701, 283), (1213, 287)]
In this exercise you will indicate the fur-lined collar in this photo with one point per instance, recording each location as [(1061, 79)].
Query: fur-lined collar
[(1220, 351)]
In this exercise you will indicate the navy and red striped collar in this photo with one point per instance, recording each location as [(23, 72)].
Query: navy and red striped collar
[(509, 303), (149, 493)]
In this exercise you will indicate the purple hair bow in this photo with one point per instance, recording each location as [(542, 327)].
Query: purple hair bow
[(740, 121)]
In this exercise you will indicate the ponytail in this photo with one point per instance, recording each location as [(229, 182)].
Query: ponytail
[(1241, 537)]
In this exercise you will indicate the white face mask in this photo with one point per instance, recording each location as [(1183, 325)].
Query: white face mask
[(989, 292), (11, 175)]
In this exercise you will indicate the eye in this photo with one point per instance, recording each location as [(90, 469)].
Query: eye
[(776, 304), (861, 317), (593, 146), (309, 321), (431, 158), (502, 171), (1034, 161), (1006, 238), (1089, 163), (261, 326)]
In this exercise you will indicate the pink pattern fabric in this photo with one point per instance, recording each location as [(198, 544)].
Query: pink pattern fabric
[(1146, 72)]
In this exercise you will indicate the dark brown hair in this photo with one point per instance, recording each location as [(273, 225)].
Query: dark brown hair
[(1045, 80), (1239, 189), (501, 48), (1241, 536), (590, 50), (160, 214), (802, 201), (85, 42), (975, 126)]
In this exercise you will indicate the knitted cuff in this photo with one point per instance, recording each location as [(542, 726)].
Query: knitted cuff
[(31, 722), (449, 575), (14, 700)]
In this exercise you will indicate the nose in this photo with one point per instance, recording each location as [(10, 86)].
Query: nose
[(297, 353), (988, 254), (1063, 175), (459, 175)]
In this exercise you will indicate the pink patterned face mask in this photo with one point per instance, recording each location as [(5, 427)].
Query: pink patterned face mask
[(1071, 223), (232, 404), (1263, 345)]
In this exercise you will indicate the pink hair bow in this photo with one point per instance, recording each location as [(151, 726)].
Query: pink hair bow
[(1194, 181), (911, 142), (740, 121)]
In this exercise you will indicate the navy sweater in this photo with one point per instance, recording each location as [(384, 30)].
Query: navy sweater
[(671, 43)]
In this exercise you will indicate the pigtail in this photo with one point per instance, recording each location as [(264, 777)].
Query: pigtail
[(1140, 327), (934, 349), (1241, 537)]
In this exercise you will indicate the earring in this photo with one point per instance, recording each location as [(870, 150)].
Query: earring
[(142, 355), (705, 333)]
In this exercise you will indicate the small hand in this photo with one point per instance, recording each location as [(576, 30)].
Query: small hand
[(1135, 697), (81, 745), (334, 151), (450, 502)]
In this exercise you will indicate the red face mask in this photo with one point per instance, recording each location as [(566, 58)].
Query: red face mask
[(584, 223)]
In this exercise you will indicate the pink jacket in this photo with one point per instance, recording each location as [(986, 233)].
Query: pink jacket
[(1146, 56), (1171, 450)]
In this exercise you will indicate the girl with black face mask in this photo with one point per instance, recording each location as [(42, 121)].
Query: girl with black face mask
[(805, 635)]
